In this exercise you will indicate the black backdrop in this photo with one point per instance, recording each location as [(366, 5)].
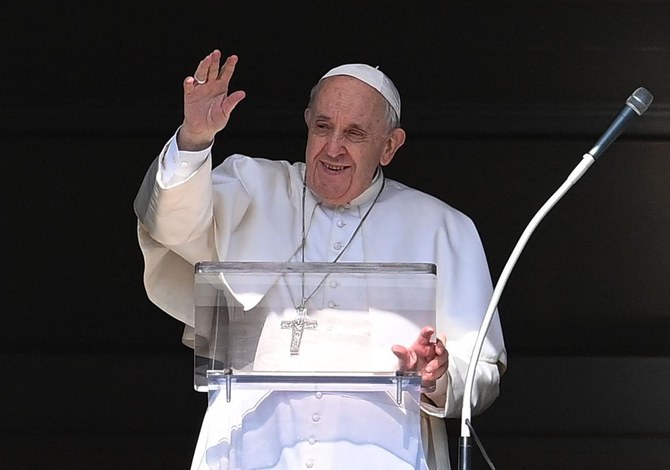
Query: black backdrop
[(500, 100)]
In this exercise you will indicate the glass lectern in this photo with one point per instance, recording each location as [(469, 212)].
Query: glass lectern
[(272, 336)]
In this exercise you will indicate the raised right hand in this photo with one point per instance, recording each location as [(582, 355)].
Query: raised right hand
[(207, 104)]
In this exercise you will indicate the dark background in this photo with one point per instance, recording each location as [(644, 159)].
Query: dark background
[(500, 101)]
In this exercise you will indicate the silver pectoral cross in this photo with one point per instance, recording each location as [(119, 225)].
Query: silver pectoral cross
[(297, 327)]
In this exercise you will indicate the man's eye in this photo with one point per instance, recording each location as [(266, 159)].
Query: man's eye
[(356, 136)]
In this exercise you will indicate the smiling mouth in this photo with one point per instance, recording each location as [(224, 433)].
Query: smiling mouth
[(331, 167)]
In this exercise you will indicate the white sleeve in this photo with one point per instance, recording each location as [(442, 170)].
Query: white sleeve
[(177, 166)]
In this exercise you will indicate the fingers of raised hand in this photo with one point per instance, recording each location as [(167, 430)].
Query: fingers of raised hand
[(222, 106), (207, 68), (201, 72), (225, 73), (232, 101), (210, 72)]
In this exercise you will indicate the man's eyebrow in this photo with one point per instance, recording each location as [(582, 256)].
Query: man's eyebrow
[(350, 126)]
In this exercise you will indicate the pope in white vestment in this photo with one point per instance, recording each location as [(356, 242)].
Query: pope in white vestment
[(251, 209)]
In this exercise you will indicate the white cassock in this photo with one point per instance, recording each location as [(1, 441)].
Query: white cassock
[(250, 209)]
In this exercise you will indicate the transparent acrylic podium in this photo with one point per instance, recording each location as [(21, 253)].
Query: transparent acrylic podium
[(268, 334)]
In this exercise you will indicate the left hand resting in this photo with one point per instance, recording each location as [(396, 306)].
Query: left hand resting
[(429, 358)]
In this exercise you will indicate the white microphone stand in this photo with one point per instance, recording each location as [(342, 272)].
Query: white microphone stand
[(465, 441), (636, 104)]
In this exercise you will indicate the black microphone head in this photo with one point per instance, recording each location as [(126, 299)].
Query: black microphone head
[(640, 100)]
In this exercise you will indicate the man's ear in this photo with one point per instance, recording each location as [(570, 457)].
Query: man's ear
[(394, 142), (306, 115)]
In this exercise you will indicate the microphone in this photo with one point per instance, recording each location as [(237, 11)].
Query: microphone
[(636, 104)]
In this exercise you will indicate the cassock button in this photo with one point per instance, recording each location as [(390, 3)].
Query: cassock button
[(333, 284), (318, 395), (311, 440), (316, 418), (332, 304), (183, 164), (340, 223), (309, 463), (337, 245)]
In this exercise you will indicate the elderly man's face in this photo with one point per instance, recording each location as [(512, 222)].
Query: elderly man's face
[(348, 138)]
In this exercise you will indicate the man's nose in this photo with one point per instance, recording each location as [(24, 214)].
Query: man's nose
[(335, 144)]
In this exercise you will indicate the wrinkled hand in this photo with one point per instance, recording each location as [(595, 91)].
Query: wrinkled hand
[(207, 104), (429, 358)]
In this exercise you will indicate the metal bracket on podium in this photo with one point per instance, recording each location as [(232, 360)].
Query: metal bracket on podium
[(398, 383)]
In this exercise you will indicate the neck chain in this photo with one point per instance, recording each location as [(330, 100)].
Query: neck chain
[(301, 309), (302, 322)]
